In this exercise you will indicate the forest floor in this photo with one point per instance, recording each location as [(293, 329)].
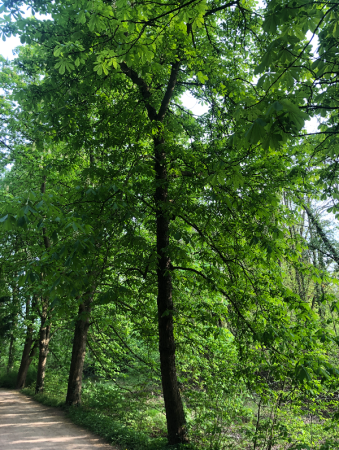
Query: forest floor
[(28, 425)]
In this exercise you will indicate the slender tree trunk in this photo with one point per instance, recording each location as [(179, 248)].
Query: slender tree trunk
[(321, 297), (11, 350), (28, 352), (11, 353), (176, 423), (78, 353), (45, 330), (27, 357), (44, 338)]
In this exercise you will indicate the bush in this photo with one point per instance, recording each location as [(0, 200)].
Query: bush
[(115, 432), (8, 380)]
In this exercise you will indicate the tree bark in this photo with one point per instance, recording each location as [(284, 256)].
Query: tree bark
[(45, 331), (78, 353), (11, 350), (28, 352), (27, 357), (44, 338), (11, 353), (176, 423)]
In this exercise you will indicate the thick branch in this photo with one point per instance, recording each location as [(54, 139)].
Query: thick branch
[(146, 94), (144, 89), (169, 91), (220, 8)]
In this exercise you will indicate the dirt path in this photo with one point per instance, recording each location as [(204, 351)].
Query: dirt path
[(28, 425)]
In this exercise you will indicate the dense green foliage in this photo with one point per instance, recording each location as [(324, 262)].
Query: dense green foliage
[(188, 255)]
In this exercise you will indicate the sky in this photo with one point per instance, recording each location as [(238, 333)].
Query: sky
[(7, 47)]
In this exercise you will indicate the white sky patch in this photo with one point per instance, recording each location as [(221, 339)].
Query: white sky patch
[(7, 47), (193, 104), (312, 125)]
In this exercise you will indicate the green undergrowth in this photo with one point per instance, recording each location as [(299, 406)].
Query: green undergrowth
[(134, 421), (96, 417), (8, 379), (101, 424)]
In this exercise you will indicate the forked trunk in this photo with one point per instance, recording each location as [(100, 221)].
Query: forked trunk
[(78, 353), (44, 338), (176, 423)]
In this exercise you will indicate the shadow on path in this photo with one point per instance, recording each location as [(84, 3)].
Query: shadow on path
[(27, 425)]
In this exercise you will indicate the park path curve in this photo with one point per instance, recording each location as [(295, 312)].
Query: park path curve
[(28, 425)]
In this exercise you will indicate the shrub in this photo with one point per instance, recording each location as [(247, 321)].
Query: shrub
[(8, 379)]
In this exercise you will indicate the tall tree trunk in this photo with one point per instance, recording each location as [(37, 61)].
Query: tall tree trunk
[(45, 331), (28, 352), (176, 423), (78, 353), (27, 357), (10, 362), (44, 338), (11, 350)]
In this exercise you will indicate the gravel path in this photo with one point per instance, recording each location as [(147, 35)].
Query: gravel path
[(28, 425)]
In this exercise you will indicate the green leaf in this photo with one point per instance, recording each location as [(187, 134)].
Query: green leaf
[(82, 17), (201, 77), (63, 65), (256, 132), (302, 373), (177, 235), (271, 23), (95, 23), (336, 30), (22, 222), (57, 51)]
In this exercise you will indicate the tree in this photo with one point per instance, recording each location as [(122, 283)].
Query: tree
[(30, 346), (196, 196)]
